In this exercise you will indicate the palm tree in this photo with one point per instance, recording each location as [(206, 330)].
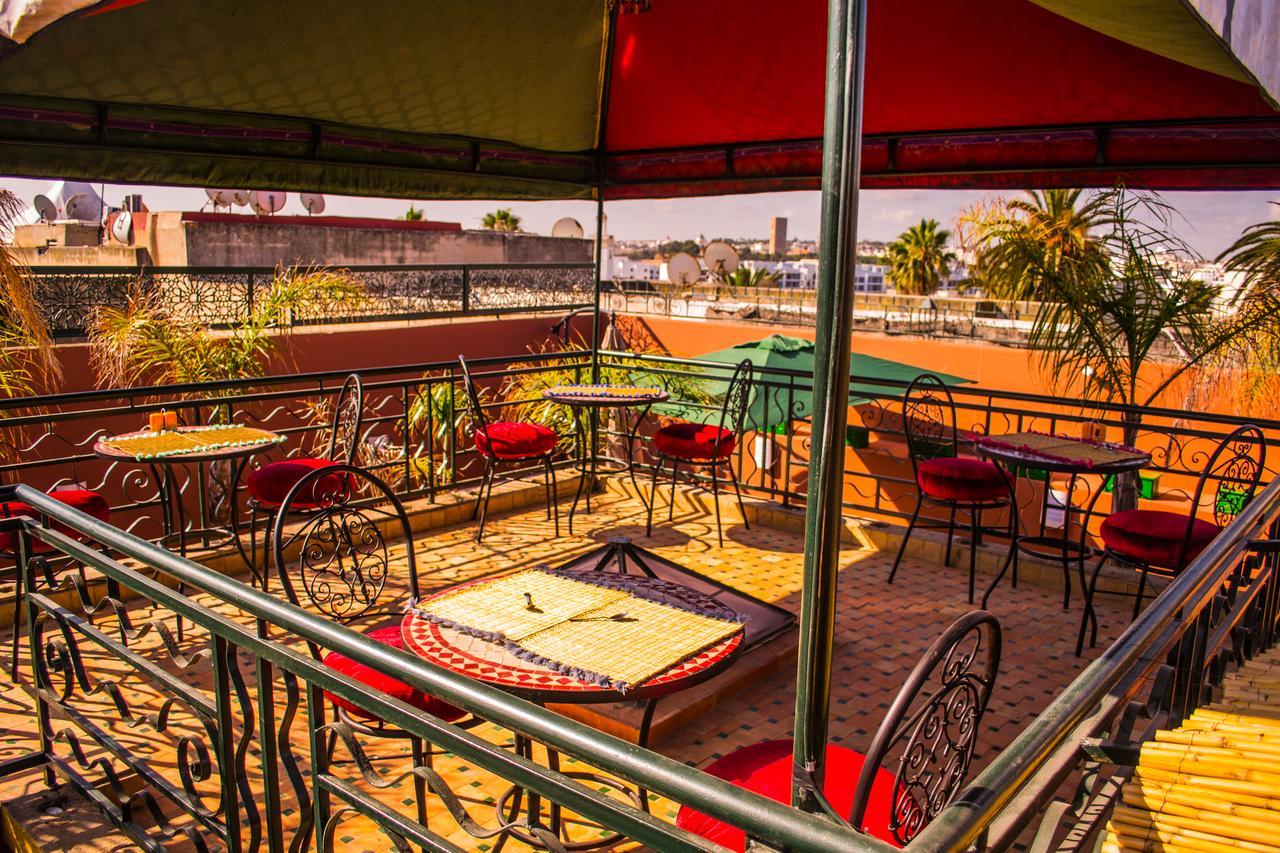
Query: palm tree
[(413, 214), (750, 277), (1255, 259), (27, 359), (919, 260), (153, 340), (1106, 313), (1063, 221), (501, 219)]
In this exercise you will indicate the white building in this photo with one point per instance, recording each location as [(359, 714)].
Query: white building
[(803, 274), (645, 269)]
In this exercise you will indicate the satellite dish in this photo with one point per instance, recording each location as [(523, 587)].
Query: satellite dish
[(720, 258), (266, 202), (240, 197), (313, 202), (221, 198), (83, 207), (683, 268), (122, 227), (47, 210), (567, 227)]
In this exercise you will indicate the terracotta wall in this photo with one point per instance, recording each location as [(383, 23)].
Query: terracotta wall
[(355, 347), (990, 365)]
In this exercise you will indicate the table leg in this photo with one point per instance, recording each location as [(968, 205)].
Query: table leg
[(581, 429), (631, 451)]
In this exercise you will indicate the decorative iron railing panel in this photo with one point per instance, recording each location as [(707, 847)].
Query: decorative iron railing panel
[(207, 700), (48, 441), (221, 297)]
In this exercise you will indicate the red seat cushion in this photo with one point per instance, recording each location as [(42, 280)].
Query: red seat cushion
[(961, 478), (389, 636), (82, 499), (765, 768), (1155, 537), (511, 440), (270, 484), (695, 441)]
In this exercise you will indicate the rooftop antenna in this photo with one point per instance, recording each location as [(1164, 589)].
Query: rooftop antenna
[(683, 269), (567, 227), (267, 202), (240, 198), (721, 258), (313, 202)]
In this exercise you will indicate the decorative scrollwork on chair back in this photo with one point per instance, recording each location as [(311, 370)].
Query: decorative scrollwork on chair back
[(348, 415), (929, 419), (1235, 468), (733, 411), (478, 420), (933, 724), (330, 550)]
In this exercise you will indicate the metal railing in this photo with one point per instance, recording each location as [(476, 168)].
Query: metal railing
[(310, 773), (1219, 611), (194, 779), (414, 433), (221, 297), (954, 315)]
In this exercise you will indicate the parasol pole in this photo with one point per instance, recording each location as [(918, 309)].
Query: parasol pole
[(842, 146)]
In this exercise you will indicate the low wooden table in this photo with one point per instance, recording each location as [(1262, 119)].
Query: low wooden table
[(1056, 454), (493, 664)]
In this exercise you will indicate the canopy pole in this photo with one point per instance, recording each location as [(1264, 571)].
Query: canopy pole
[(606, 81), (842, 147)]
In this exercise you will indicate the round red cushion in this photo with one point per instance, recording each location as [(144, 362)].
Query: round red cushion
[(271, 483), (765, 768), (86, 501), (695, 441), (510, 440), (1155, 537), (389, 636), (961, 478)]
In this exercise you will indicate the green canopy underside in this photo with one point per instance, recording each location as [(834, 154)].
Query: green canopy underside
[(778, 392)]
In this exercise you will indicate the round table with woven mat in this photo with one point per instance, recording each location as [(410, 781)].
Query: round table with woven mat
[(586, 401), (494, 664), (163, 450)]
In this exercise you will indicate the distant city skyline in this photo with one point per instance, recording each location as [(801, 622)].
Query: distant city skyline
[(1208, 221)]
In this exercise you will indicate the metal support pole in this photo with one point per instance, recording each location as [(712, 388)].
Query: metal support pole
[(595, 297), (842, 144), (601, 126)]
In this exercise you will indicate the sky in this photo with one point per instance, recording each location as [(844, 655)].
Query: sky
[(1208, 221)]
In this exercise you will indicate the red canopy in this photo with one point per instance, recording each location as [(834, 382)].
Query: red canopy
[(701, 97)]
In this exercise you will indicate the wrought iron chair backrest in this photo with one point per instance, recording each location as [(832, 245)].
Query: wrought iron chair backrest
[(348, 416), (929, 419), (934, 724), (733, 409), (1235, 467), (334, 559), (478, 421)]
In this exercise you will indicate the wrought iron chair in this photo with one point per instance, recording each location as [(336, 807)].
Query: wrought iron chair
[(945, 478), (931, 727), (85, 500), (268, 485), (340, 568), (1163, 543), (508, 441), (705, 445)]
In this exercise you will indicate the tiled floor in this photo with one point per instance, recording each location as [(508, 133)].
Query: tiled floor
[(881, 631)]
